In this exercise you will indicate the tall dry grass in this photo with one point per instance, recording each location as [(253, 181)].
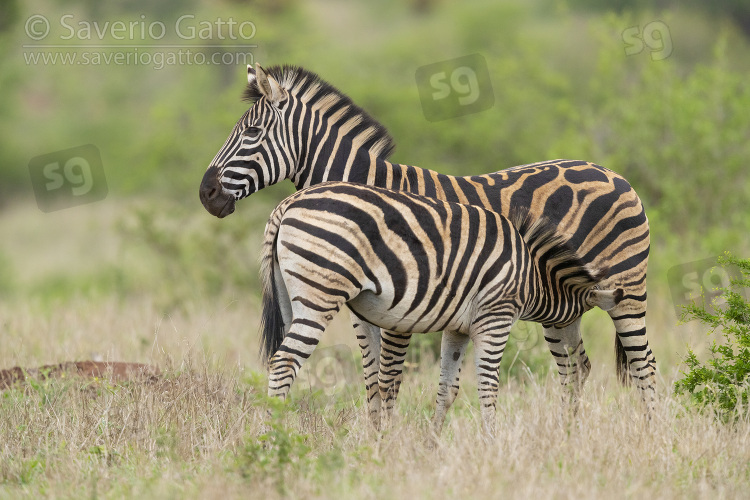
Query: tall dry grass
[(203, 430)]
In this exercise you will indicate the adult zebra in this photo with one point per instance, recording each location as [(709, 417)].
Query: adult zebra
[(412, 264), (303, 129)]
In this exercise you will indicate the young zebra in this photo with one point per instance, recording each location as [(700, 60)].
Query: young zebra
[(411, 264), (303, 129)]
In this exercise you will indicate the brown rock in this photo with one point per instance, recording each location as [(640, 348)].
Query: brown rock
[(116, 371)]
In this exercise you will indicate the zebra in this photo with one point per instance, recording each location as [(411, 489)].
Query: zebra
[(302, 128), (411, 264)]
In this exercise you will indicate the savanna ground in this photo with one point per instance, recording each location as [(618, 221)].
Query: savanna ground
[(146, 275)]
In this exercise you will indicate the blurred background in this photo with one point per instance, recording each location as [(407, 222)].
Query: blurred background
[(656, 91)]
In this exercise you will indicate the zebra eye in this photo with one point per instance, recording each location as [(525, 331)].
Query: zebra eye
[(252, 132)]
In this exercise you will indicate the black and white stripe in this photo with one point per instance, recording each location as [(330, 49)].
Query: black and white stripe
[(411, 264), (303, 129)]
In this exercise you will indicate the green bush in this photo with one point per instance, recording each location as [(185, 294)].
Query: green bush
[(723, 382)]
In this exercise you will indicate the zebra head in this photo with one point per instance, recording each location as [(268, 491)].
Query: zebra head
[(300, 127), (256, 154)]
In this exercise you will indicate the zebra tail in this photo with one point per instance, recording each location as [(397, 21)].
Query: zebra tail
[(271, 322), (621, 363)]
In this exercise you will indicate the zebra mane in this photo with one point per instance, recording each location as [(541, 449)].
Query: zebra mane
[(321, 95), (551, 252)]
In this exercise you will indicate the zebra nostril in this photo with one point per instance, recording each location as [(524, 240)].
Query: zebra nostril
[(210, 188)]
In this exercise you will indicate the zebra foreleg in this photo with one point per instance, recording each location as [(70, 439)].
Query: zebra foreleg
[(368, 337), (488, 353), (452, 350), (573, 365), (393, 348)]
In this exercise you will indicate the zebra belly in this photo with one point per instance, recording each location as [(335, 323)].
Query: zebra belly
[(376, 309)]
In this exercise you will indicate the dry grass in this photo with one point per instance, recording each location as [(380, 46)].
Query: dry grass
[(203, 431)]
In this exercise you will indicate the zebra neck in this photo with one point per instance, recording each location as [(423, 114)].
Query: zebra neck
[(553, 304), (538, 307)]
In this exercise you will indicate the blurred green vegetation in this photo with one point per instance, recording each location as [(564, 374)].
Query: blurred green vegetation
[(564, 87)]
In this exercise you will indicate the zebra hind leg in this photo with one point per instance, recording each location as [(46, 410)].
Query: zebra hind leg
[(393, 348), (634, 358), (452, 350), (304, 334), (368, 337), (573, 365)]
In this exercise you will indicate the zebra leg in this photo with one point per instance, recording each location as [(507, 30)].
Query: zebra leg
[(573, 365), (488, 353), (452, 350), (300, 342), (393, 348), (633, 355), (368, 337)]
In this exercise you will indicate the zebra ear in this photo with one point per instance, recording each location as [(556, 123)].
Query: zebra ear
[(250, 74), (269, 87)]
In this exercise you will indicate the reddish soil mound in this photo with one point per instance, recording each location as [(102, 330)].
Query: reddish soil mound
[(114, 370)]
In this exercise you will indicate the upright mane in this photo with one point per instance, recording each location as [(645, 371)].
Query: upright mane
[(320, 95)]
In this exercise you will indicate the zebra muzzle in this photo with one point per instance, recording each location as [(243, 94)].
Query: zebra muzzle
[(215, 200)]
